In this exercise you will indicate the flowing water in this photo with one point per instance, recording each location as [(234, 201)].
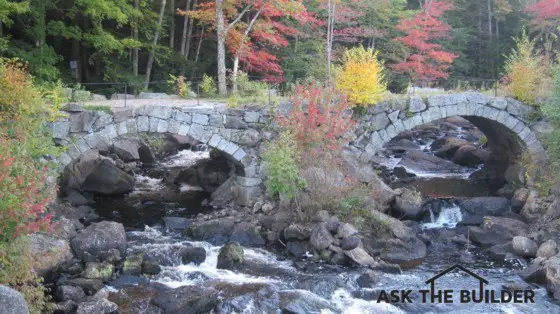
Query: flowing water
[(336, 286)]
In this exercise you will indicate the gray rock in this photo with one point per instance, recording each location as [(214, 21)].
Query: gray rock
[(69, 293), (367, 280), (298, 248), (497, 230), (102, 306), (486, 206), (90, 286), (519, 198), (380, 121), (296, 232), (302, 302), (361, 257), (409, 204), (150, 267), (247, 234), (231, 255), (118, 96), (350, 243), (127, 150), (66, 307), (99, 237), (133, 264), (195, 255), (519, 109), (346, 230), (547, 249), (145, 95), (12, 302), (108, 179), (101, 271), (523, 246), (176, 223), (187, 300), (470, 156), (552, 276), (320, 237), (215, 231), (48, 253), (233, 122)]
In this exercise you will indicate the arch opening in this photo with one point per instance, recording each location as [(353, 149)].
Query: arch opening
[(140, 178)]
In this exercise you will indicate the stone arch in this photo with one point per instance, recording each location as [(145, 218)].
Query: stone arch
[(505, 121), (236, 133)]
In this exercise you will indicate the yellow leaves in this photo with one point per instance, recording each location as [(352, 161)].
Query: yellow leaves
[(361, 76)]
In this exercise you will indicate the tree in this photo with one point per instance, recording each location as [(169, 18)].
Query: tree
[(361, 76), (154, 43), (428, 62), (546, 22)]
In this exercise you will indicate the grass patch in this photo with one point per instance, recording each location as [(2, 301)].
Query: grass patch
[(104, 108)]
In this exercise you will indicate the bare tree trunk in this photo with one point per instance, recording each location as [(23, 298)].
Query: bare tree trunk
[(199, 45), (172, 24), (189, 35), (135, 37), (489, 2), (330, 36), (245, 37), (185, 26), (154, 43), (221, 41)]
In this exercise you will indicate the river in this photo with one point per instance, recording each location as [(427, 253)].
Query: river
[(333, 289)]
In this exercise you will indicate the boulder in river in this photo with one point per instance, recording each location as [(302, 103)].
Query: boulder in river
[(100, 237), (108, 179), (548, 249), (73, 293), (101, 271), (447, 147), (195, 255), (552, 276), (477, 207), (216, 231), (302, 301), (321, 238), (230, 256), (297, 232), (409, 204), (470, 156), (247, 234), (127, 149), (102, 306), (186, 299), (523, 246), (497, 230), (12, 301)]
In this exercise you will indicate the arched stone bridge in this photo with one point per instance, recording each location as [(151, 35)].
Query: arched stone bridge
[(507, 123), (239, 132)]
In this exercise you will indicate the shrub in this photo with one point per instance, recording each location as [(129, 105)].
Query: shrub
[(208, 86), (361, 76), (281, 159), (524, 71), (18, 97), (251, 88), (180, 87), (320, 119)]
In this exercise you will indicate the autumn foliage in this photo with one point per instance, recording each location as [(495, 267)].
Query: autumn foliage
[(360, 76), (428, 62), (320, 119)]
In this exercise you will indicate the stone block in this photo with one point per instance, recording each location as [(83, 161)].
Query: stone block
[(162, 126), (196, 131), (93, 139), (214, 140), (143, 124), (216, 120), (160, 112), (173, 126), (394, 116), (184, 129), (131, 125), (498, 102), (380, 121), (61, 129), (239, 154), (153, 124), (182, 116), (121, 128), (416, 104), (82, 145), (201, 119)]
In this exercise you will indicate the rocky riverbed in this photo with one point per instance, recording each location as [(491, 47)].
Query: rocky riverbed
[(142, 229)]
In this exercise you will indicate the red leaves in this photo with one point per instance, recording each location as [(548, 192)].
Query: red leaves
[(23, 197), (429, 62), (320, 119), (545, 9)]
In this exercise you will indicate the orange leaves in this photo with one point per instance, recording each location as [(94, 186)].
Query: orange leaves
[(428, 62), (320, 119)]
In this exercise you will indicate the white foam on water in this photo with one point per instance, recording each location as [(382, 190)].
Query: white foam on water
[(449, 217), (147, 183), (344, 301), (185, 158), (187, 188)]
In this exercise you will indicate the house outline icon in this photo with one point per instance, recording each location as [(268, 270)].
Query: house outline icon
[(432, 280)]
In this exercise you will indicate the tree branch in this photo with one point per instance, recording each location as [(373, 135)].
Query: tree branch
[(238, 18), (254, 19)]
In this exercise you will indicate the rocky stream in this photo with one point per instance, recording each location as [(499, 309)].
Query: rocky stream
[(161, 245)]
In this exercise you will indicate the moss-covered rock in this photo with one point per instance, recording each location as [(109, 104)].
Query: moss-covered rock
[(101, 271), (230, 256), (133, 264)]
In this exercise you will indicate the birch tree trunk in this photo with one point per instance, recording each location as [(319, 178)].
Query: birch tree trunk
[(135, 37), (189, 35), (154, 43), (185, 27), (172, 24), (221, 43)]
